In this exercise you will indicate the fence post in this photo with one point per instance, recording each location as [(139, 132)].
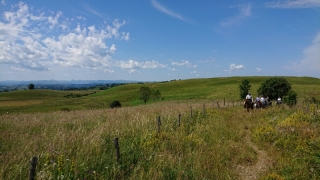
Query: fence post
[(204, 108), (179, 117), (191, 112), (159, 124), (218, 105), (212, 104), (116, 146), (33, 163), (224, 102)]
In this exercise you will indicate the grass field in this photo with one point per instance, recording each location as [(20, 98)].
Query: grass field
[(280, 142), (215, 89)]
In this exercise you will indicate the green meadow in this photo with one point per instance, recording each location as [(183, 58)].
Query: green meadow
[(72, 133), (215, 89)]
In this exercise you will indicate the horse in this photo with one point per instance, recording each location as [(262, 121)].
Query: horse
[(257, 105), (248, 104)]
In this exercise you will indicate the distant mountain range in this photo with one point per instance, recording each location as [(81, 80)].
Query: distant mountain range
[(38, 82), (61, 84)]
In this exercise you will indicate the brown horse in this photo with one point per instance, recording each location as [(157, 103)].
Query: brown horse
[(249, 105)]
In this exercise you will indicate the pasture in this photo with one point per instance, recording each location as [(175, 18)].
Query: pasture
[(280, 142)]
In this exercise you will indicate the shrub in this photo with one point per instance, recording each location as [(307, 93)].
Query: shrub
[(291, 98), (115, 104)]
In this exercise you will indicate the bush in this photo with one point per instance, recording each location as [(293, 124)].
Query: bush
[(291, 99), (115, 104)]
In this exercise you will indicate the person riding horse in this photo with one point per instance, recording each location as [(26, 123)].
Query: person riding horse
[(249, 101), (257, 102)]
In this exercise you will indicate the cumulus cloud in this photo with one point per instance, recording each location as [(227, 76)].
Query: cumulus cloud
[(244, 12), (311, 59), (131, 64), (293, 4), (183, 63), (195, 72), (258, 69), (234, 67), (25, 44)]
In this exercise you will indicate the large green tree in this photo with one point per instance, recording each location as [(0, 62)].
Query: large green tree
[(149, 94), (274, 87), (244, 88), (31, 86), (144, 94)]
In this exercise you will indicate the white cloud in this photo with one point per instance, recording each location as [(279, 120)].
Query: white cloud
[(3, 2), (133, 71), (27, 42), (54, 20), (244, 12), (258, 69), (234, 67), (163, 9), (113, 49), (131, 64), (183, 63), (293, 4), (311, 60), (195, 72), (91, 10)]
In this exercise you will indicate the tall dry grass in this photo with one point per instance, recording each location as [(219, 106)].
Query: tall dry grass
[(79, 144)]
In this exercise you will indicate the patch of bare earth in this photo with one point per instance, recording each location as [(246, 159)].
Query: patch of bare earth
[(254, 171)]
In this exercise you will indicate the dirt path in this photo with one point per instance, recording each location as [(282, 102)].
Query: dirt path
[(254, 172)]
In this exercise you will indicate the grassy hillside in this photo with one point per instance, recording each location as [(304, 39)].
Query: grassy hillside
[(208, 88), (226, 143), (279, 142)]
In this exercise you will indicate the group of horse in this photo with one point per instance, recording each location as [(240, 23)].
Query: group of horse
[(248, 104)]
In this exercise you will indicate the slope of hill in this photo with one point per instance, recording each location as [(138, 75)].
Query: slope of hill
[(209, 88)]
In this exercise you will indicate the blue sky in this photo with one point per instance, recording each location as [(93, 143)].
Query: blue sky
[(158, 40)]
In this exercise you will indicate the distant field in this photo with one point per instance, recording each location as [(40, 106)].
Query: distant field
[(215, 89)]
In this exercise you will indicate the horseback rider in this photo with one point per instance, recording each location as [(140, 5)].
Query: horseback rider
[(249, 102), (258, 102), (279, 100), (262, 100), (249, 97)]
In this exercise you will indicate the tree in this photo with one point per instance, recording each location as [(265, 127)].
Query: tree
[(244, 88), (274, 87), (31, 86), (155, 94), (144, 94)]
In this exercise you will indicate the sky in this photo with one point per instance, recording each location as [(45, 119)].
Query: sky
[(158, 40)]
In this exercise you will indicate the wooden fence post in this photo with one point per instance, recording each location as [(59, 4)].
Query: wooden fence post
[(159, 123), (204, 108), (224, 102), (116, 146), (218, 105), (179, 117), (33, 163), (191, 112)]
